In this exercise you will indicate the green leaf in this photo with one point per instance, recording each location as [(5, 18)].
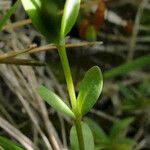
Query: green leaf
[(87, 135), (90, 89), (55, 101), (70, 14), (8, 14), (45, 17), (100, 136), (119, 127), (8, 145)]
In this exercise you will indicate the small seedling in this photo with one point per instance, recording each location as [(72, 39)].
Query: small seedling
[(54, 26)]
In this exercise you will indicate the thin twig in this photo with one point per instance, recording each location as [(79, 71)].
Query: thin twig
[(17, 24), (48, 47), (25, 62), (12, 54)]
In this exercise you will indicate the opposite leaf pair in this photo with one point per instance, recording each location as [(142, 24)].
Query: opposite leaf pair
[(90, 89)]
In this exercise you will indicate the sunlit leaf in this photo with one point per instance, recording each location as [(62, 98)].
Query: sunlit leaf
[(45, 17), (8, 145), (87, 135), (55, 101), (70, 14), (90, 89)]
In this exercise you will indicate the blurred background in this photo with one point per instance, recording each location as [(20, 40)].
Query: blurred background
[(113, 34)]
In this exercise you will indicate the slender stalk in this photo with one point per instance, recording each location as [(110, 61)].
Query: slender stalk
[(67, 72), (79, 133), (71, 90)]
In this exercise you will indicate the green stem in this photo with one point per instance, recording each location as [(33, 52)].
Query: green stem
[(79, 133), (64, 60), (67, 72)]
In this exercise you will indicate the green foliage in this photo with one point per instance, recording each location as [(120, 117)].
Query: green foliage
[(115, 139), (45, 17), (135, 99), (143, 88), (8, 145), (8, 14), (126, 92), (70, 14), (119, 127), (87, 135), (55, 101), (127, 67), (90, 89)]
